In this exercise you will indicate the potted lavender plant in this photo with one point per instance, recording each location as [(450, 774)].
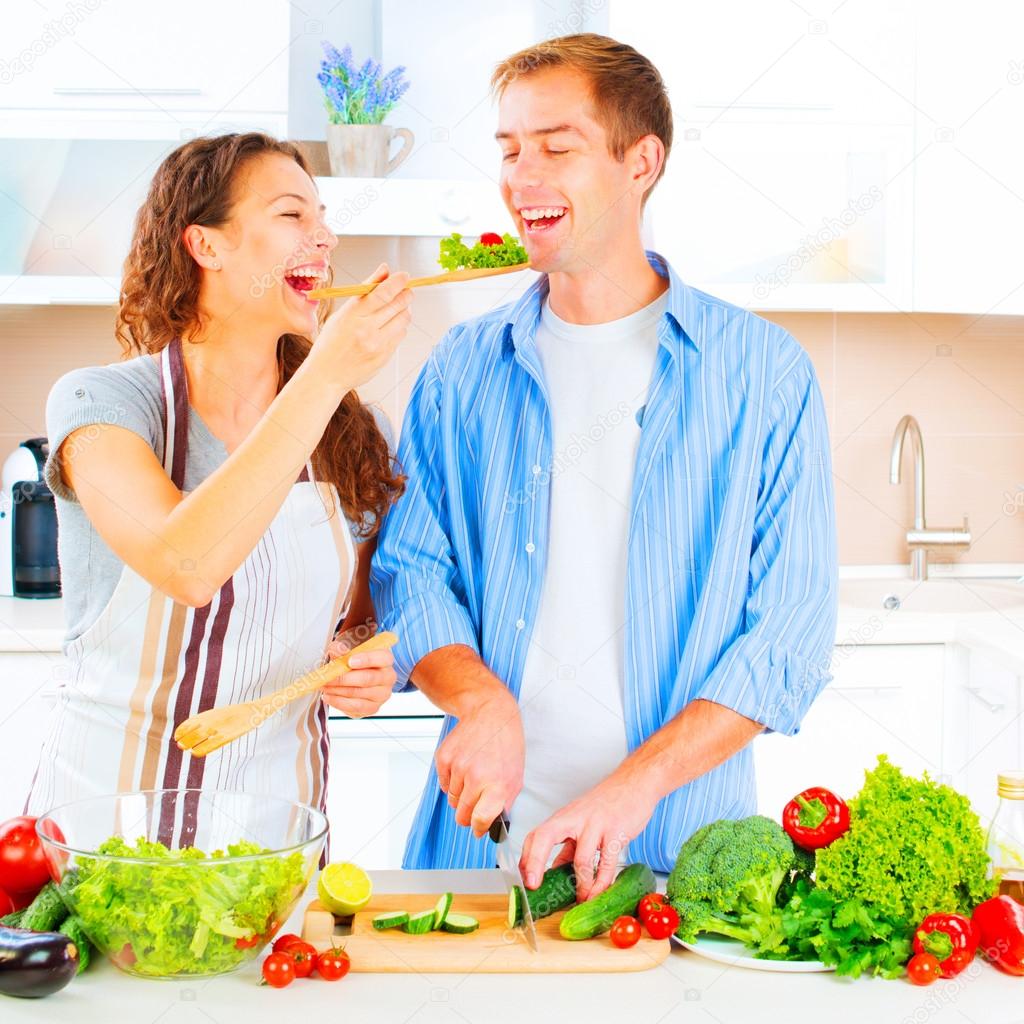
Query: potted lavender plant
[(357, 101)]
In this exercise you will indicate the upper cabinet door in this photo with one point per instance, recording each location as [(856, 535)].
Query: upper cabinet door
[(134, 70), (970, 157), (787, 185)]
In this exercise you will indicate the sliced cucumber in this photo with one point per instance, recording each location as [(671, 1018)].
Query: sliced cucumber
[(444, 905), (512, 918), (419, 924), (390, 919), (460, 924)]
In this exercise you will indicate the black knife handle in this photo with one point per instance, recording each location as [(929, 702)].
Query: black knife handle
[(495, 830)]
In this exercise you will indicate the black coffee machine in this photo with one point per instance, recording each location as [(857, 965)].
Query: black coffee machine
[(28, 525)]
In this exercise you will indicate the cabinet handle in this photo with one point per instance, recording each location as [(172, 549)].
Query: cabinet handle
[(993, 705), (124, 91)]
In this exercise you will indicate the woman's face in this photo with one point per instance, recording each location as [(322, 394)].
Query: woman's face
[(275, 248)]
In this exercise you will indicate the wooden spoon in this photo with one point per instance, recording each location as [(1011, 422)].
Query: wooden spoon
[(213, 729), (417, 282)]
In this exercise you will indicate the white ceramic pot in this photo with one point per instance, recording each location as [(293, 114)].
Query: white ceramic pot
[(364, 150)]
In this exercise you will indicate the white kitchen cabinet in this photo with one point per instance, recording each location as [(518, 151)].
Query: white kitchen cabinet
[(969, 168), (884, 699), (28, 684), (985, 735), (377, 770), (775, 60), (789, 215), (125, 70), (785, 188)]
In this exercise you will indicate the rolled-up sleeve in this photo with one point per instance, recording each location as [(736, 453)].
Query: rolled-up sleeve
[(779, 662), (415, 577)]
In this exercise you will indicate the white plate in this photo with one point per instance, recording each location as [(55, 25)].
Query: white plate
[(734, 953)]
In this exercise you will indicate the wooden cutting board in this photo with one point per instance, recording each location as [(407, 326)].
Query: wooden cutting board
[(493, 948)]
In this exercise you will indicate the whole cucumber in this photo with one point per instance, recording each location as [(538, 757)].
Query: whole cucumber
[(557, 889), (596, 916), (45, 912), (35, 964)]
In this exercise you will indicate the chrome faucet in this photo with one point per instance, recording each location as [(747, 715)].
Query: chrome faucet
[(920, 539)]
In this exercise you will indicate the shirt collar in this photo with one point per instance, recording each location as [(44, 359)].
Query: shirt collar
[(683, 309)]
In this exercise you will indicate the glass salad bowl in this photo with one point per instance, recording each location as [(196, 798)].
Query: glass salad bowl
[(181, 883)]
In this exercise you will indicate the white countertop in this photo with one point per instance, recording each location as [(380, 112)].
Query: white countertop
[(31, 625), (685, 988)]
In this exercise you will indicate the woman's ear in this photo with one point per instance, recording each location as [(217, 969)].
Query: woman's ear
[(200, 247)]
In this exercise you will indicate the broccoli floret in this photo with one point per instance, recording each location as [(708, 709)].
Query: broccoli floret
[(726, 880)]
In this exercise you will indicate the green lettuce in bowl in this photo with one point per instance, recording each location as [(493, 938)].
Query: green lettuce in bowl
[(163, 911)]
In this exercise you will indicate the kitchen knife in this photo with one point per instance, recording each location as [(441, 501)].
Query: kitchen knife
[(509, 867)]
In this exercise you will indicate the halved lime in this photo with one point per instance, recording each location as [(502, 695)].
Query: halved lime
[(344, 888)]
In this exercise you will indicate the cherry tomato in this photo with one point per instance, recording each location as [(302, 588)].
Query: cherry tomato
[(303, 958), (23, 867), (278, 970), (333, 964), (490, 238), (125, 957), (253, 940), (923, 969), (652, 901), (625, 932), (283, 941), (662, 923)]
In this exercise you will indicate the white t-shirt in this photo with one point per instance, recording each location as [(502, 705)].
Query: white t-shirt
[(571, 700)]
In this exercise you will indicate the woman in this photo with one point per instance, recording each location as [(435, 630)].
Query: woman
[(200, 489)]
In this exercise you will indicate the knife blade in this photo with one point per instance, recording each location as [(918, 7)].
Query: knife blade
[(513, 877)]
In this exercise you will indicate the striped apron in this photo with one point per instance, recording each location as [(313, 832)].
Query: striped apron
[(148, 663)]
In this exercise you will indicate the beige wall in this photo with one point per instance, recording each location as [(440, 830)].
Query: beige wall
[(962, 377)]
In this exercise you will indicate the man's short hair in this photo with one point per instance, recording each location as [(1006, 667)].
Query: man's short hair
[(629, 95)]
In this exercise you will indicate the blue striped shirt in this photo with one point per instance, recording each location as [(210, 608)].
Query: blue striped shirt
[(731, 560)]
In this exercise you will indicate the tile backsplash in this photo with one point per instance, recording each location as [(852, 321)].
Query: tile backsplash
[(961, 376)]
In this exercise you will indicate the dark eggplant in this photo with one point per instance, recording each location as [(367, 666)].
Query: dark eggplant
[(35, 964)]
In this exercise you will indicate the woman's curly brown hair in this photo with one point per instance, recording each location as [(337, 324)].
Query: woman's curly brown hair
[(159, 301)]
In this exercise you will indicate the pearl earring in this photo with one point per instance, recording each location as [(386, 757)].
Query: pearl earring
[(216, 264)]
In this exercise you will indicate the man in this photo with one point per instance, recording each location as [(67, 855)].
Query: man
[(615, 561)]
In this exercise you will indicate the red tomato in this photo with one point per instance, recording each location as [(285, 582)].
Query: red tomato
[(253, 940), (333, 964), (6, 904), (303, 958), (283, 941), (23, 867), (125, 957), (625, 932), (490, 238), (923, 969), (652, 901), (662, 923), (278, 970)]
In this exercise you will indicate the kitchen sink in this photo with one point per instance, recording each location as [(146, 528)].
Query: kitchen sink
[(951, 596)]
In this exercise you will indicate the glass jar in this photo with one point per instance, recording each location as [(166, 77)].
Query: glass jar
[(1005, 841)]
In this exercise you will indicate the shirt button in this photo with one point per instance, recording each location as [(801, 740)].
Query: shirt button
[(520, 623), (530, 548), (536, 470)]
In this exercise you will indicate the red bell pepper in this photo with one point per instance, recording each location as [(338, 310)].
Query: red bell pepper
[(951, 938), (815, 817), (999, 923)]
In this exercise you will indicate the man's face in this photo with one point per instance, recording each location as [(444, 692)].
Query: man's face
[(555, 160)]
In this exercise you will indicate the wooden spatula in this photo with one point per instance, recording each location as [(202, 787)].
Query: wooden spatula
[(211, 730), (416, 282)]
